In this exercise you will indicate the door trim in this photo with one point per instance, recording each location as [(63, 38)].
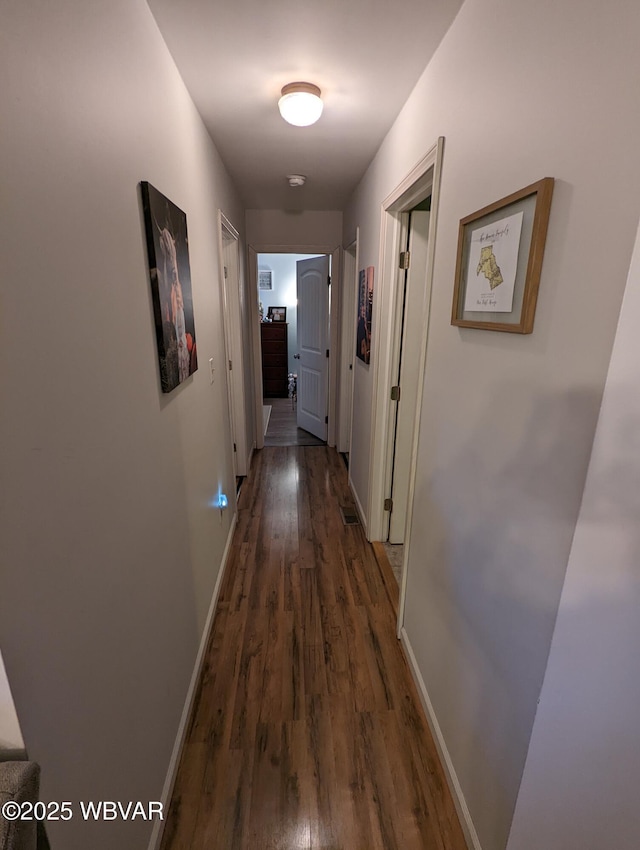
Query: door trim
[(234, 338), (334, 342), (348, 314), (397, 327), (423, 177)]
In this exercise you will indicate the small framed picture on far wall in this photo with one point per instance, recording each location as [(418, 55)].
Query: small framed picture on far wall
[(265, 280), (277, 314)]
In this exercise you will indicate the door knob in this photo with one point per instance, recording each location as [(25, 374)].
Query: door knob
[(296, 357)]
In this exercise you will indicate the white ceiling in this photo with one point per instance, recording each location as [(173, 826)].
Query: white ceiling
[(235, 56)]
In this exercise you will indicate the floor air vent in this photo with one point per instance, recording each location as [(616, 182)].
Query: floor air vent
[(349, 515)]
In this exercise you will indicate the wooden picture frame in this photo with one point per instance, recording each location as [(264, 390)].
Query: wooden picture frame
[(499, 260), (277, 314)]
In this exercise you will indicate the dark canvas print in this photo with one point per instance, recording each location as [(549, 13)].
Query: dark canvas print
[(365, 311), (168, 251)]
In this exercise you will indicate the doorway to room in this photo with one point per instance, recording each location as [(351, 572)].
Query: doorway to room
[(293, 298), (409, 223), (409, 337), (408, 340)]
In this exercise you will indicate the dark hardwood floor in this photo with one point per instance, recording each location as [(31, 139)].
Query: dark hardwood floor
[(307, 730), (283, 428)]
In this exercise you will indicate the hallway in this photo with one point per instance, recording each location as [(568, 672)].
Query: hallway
[(307, 731)]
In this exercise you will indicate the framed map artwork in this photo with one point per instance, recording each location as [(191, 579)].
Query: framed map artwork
[(500, 250)]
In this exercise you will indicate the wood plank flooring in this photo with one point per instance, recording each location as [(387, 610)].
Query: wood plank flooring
[(283, 426), (387, 575), (307, 732)]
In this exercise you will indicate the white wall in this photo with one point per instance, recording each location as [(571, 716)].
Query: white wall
[(290, 229), (581, 779), (110, 546), (520, 91), (283, 294)]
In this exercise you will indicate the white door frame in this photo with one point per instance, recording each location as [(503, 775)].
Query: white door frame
[(334, 306), (231, 284), (395, 358), (407, 348), (348, 314), (422, 180)]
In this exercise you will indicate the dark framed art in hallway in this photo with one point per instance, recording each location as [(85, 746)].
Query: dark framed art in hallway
[(170, 276), (365, 312)]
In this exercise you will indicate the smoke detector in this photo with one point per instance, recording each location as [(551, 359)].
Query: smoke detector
[(296, 180)]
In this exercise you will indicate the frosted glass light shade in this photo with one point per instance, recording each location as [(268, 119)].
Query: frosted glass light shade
[(300, 104)]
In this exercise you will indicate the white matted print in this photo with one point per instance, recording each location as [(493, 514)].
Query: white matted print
[(493, 263)]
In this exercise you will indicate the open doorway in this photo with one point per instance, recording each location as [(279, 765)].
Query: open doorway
[(409, 336), (409, 221), (293, 298)]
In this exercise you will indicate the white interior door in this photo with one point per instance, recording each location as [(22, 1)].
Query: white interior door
[(409, 370), (312, 278)]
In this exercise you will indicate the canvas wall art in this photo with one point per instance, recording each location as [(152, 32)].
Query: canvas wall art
[(168, 253), (365, 312)]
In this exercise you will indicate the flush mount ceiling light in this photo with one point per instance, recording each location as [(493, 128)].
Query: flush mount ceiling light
[(296, 180), (300, 104)]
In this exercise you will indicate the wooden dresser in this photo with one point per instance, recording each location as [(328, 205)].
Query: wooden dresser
[(275, 359)]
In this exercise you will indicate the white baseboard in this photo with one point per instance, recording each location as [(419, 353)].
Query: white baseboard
[(470, 834), (167, 791), (359, 508)]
